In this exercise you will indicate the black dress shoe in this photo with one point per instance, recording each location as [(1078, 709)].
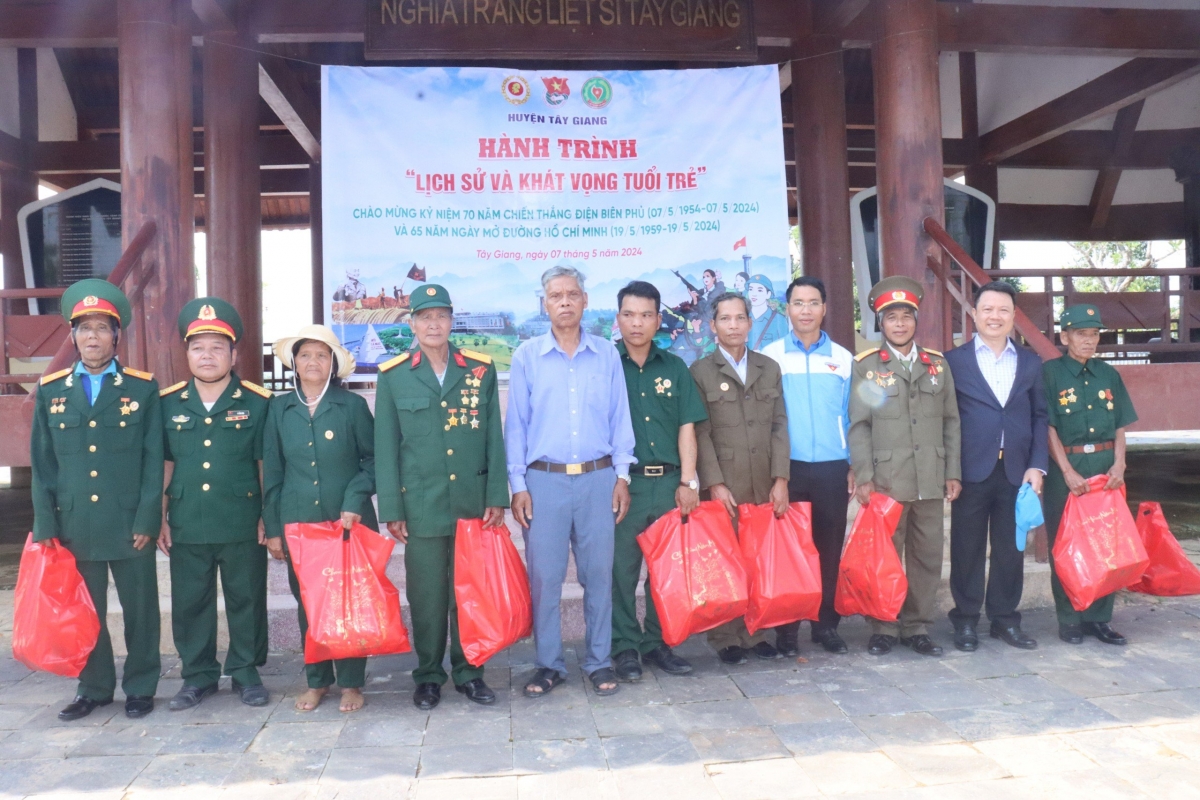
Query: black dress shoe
[(786, 640), (477, 692), (922, 645), (138, 706), (966, 638), (880, 644), (628, 666), (190, 697), (427, 696), (1014, 636), (256, 695), (766, 651), (732, 654), (80, 707), (829, 639), (665, 659), (1071, 634), (1103, 632)]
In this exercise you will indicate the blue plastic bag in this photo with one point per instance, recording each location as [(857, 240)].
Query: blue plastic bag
[(1029, 513)]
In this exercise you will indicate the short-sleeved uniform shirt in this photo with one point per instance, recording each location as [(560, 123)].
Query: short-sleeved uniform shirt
[(662, 398), (1087, 404)]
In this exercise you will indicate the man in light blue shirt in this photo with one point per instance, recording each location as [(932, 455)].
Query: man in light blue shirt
[(816, 391), (569, 443)]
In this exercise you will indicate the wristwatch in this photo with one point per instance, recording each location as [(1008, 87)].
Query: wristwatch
[(693, 484), (628, 480)]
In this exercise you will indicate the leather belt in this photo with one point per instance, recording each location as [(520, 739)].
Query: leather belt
[(1090, 448), (572, 469), (654, 470)]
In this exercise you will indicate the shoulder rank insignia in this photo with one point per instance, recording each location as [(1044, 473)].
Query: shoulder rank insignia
[(172, 389), (137, 373), (866, 353), (931, 351), (476, 356), (394, 362), (53, 376), (258, 390)]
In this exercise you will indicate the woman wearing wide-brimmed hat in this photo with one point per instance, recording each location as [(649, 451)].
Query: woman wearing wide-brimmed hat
[(318, 466)]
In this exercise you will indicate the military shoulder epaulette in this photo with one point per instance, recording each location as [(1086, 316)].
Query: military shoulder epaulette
[(932, 352), (476, 356), (394, 362), (53, 376), (137, 373), (172, 389), (258, 390), (866, 353)]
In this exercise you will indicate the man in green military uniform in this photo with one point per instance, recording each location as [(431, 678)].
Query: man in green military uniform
[(905, 443), (439, 458), (665, 406), (96, 452), (213, 429), (1089, 412)]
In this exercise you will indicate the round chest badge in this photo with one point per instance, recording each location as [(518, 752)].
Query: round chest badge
[(597, 92), (515, 89)]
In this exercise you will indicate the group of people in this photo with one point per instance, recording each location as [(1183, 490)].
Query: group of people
[(599, 441)]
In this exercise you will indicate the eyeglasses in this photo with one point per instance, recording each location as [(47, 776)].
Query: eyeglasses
[(811, 304)]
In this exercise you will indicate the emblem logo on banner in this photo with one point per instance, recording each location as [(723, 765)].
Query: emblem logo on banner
[(557, 91), (515, 89), (597, 92)]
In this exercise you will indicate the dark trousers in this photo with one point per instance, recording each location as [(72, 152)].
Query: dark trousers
[(987, 506), (1055, 502), (136, 580), (823, 484), (429, 585), (649, 499)]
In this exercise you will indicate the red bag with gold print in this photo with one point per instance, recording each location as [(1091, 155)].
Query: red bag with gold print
[(782, 563), (352, 607), (1171, 573), (491, 590), (1098, 549), (871, 579)]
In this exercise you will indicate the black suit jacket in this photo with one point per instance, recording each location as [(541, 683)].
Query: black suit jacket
[(1022, 419)]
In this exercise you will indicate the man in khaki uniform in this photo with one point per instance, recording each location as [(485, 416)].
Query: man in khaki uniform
[(742, 448), (904, 442)]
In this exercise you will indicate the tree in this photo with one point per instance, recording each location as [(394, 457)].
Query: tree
[(1119, 255)]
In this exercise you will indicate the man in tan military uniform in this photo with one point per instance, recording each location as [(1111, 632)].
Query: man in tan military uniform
[(904, 442), (742, 448)]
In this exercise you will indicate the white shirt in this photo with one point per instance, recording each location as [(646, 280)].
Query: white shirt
[(1000, 373), (738, 366), (909, 359)]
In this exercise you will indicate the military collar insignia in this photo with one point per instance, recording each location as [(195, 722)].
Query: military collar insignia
[(237, 393), (119, 379), (883, 355), (70, 380), (458, 359), (416, 360)]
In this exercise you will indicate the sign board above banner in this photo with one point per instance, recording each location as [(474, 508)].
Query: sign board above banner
[(669, 30)]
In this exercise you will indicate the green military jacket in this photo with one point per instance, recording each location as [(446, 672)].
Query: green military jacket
[(904, 426), (440, 449), (214, 496), (98, 469), (1087, 404), (316, 468), (662, 398)]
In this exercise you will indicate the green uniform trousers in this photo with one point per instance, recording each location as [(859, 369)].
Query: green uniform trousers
[(649, 499), (429, 586), (243, 568), (137, 589), (351, 673), (920, 541), (734, 633), (1056, 493)]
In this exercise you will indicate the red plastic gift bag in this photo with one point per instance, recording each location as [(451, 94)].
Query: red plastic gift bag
[(1171, 573), (871, 579), (1098, 549), (697, 578), (782, 565), (352, 607), (55, 627), (491, 589)]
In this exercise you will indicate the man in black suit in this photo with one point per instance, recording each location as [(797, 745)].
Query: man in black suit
[(1004, 444)]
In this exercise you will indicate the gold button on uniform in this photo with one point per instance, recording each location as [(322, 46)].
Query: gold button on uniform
[(452, 477), (92, 448), (208, 420), (647, 419), (443, 404), (95, 498), (206, 465), (94, 473), (92, 424), (450, 452), (208, 442), (205, 487), (62, 425), (328, 434), (122, 424)]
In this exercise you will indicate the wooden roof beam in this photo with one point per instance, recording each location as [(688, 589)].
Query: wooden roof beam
[(1127, 84), (1092, 150), (831, 16), (214, 15), (1108, 177), (283, 93), (13, 153)]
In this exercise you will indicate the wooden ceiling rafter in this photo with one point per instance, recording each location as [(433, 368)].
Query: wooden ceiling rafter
[(1109, 176), (281, 89)]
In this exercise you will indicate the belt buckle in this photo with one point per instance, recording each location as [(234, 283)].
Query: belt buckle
[(653, 472), (1089, 448), (574, 469)]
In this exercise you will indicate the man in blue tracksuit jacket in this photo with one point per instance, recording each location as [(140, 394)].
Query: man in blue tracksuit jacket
[(816, 391)]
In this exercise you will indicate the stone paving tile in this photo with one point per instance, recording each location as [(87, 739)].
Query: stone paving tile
[(1122, 748), (1178, 780), (849, 678), (945, 763), (633, 720), (1035, 755), (717, 714), (769, 684), (950, 694), (93, 774), (884, 700), (43, 743), (1183, 738), (123, 738), (283, 737), (15, 715), (466, 760), (1104, 682), (196, 739), (48, 716), (918, 727), (746, 744), (844, 773), (349, 765), (924, 671), (684, 781), (974, 724), (503, 788), (407, 729), (561, 721), (180, 771), (464, 729), (624, 752), (817, 738), (696, 688), (1025, 689), (776, 779), (647, 691), (576, 785), (296, 766), (559, 755)]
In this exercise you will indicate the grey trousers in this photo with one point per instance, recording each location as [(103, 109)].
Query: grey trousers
[(571, 513)]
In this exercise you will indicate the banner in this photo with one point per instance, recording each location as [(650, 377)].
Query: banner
[(480, 179)]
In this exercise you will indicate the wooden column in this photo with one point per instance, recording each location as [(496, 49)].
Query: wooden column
[(318, 244), (823, 179), (233, 207), (154, 52), (18, 187), (908, 135)]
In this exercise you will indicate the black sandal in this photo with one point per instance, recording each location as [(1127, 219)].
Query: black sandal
[(604, 675), (545, 679)]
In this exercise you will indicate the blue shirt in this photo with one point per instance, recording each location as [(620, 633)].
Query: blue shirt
[(96, 381), (770, 327), (566, 409), (816, 392)]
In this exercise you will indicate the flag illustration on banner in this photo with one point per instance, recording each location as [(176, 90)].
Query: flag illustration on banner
[(739, 243), (417, 273), (556, 90)]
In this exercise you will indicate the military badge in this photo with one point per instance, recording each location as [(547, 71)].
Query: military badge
[(119, 379), (474, 419), (179, 419), (237, 416), (479, 372), (237, 393)]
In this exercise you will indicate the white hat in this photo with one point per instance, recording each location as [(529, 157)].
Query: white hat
[(317, 333)]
